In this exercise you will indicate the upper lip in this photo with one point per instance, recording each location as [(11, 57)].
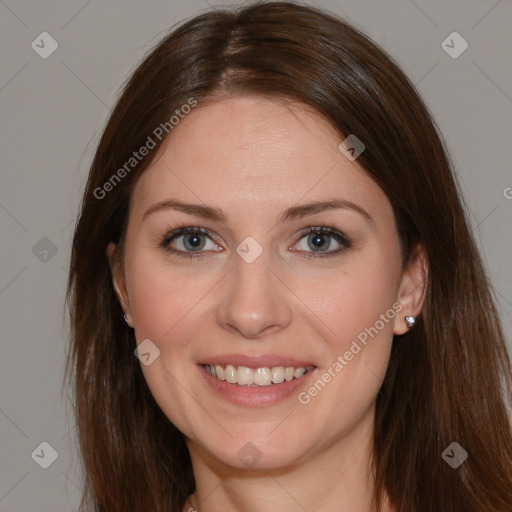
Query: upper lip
[(255, 361)]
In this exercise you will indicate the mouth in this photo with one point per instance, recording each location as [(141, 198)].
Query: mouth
[(257, 377), (256, 381)]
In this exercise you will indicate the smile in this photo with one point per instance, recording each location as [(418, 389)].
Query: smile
[(256, 377)]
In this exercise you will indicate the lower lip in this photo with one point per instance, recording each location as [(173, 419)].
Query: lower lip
[(249, 396)]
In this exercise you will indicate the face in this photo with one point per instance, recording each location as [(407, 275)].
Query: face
[(264, 284)]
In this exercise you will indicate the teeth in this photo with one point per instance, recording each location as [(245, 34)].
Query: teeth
[(256, 377), (230, 374), (245, 376), (262, 377), (219, 371), (277, 374), (288, 373), (299, 372)]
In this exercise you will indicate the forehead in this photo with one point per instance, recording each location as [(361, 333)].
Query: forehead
[(261, 152)]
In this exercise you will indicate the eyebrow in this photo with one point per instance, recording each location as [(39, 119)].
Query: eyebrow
[(294, 212)]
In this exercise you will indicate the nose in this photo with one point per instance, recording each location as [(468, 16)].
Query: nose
[(256, 301)]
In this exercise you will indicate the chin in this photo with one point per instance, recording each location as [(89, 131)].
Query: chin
[(256, 453)]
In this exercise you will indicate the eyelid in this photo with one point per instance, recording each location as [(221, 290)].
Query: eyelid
[(340, 237), (174, 233)]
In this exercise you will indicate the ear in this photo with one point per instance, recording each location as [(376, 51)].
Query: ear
[(119, 283), (412, 289)]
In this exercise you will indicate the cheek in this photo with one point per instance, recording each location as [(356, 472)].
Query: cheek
[(354, 300), (161, 296), (356, 318), (162, 300), (357, 308)]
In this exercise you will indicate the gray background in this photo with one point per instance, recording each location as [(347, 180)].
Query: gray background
[(52, 113)]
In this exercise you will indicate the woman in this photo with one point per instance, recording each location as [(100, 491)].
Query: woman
[(275, 296)]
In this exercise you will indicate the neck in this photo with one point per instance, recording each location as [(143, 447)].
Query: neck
[(334, 476)]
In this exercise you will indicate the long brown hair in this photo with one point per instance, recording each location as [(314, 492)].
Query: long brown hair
[(449, 379)]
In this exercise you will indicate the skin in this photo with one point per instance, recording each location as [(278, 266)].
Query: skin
[(254, 157)]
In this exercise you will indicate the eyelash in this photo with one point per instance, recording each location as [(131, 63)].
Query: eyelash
[(167, 237)]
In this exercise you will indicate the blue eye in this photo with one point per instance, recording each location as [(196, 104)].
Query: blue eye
[(319, 238), (193, 240)]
